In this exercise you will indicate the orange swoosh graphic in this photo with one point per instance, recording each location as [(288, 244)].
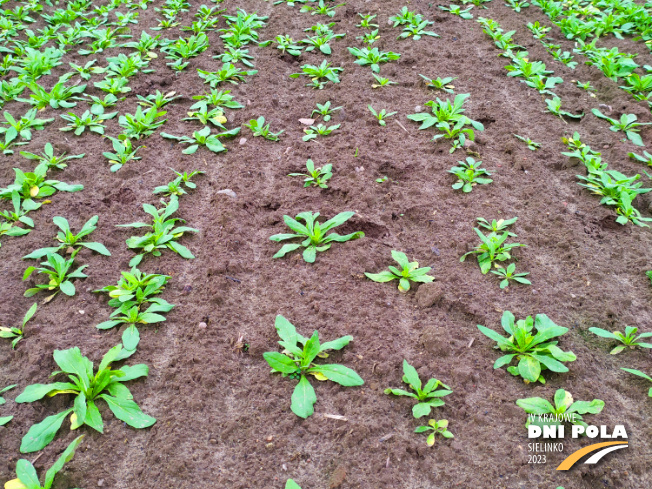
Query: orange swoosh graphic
[(575, 456)]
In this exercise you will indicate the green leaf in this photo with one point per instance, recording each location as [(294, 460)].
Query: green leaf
[(339, 374), (35, 392), (133, 372), (586, 407), (64, 458), (529, 368), (26, 473), (603, 333), (303, 398), (93, 417), (67, 288), (98, 248), (337, 344), (40, 434), (290, 484), (279, 362), (384, 276), (421, 409), (535, 405), (71, 361), (411, 375), (128, 411)]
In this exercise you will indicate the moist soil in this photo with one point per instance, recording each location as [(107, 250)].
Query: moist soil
[(223, 419)]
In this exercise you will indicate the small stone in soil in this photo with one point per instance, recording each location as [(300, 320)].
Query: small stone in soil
[(202, 325)]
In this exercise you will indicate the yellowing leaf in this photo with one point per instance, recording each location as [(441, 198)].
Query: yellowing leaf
[(66, 391), (15, 484), (33, 192), (323, 355), (74, 423), (319, 376), (220, 119)]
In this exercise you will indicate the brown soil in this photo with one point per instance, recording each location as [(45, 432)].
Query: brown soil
[(223, 420)]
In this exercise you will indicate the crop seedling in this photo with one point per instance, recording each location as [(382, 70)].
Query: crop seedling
[(114, 86), (145, 45), (108, 101), (290, 484), (469, 174), (107, 384), (11, 218), (428, 397), (554, 107), (538, 31), (644, 158), (135, 288), (5, 419), (628, 339), (492, 249), (259, 128), (58, 269), (516, 5), (22, 127), (627, 124), (509, 274), (124, 152), (158, 99), (457, 10), (319, 75), (313, 132), (217, 98), (544, 84), (315, 176), (534, 352), (530, 144), (585, 86), (47, 158), (366, 22), (435, 428), (142, 123), (440, 83), (285, 44), (297, 359), (34, 185), (409, 271), (380, 115), (321, 41), (543, 413), (321, 9), (315, 234), (372, 57), (325, 111), (369, 37), (93, 121), (70, 241), (183, 49), (203, 138), (205, 116), (382, 82), (17, 334), (59, 97), (404, 17), (630, 370), (163, 233), (175, 187), (229, 73), (27, 478)]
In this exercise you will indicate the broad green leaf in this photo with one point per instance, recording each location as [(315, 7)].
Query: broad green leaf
[(133, 372), (337, 344), (603, 333), (550, 363), (303, 398), (421, 409), (535, 405), (279, 362), (93, 417), (529, 368), (128, 411), (35, 392), (27, 474), (40, 434), (411, 375), (339, 374), (71, 361), (64, 458)]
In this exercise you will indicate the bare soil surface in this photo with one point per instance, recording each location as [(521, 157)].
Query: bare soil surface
[(223, 420)]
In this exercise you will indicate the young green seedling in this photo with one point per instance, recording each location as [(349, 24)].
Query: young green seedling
[(48, 159), (543, 413), (163, 233), (58, 269), (315, 176), (203, 138), (554, 107), (497, 226), (366, 22), (175, 187), (124, 152), (428, 397), (107, 384), (492, 249), (22, 127), (516, 5), (585, 86), (319, 75), (27, 478), (321, 9), (644, 158), (629, 339), (17, 334), (640, 374), (217, 98), (59, 97), (469, 175), (135, 288), (227, 74), (235, 55), (530, 144), (382, 82), (627, 124), (457, 10), (313, 132), (297, 359), (158, 99), (325, 111), (534, 352), (409, 271), (440, 83), (142, 123), (5, 419), (369, 37), (509, 274), (380, 115), (314, 234), (435, 427), (205, 116), (33, 185), (259, 128), (372, 57), (70, 241), (18, 215), (91, 121)]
